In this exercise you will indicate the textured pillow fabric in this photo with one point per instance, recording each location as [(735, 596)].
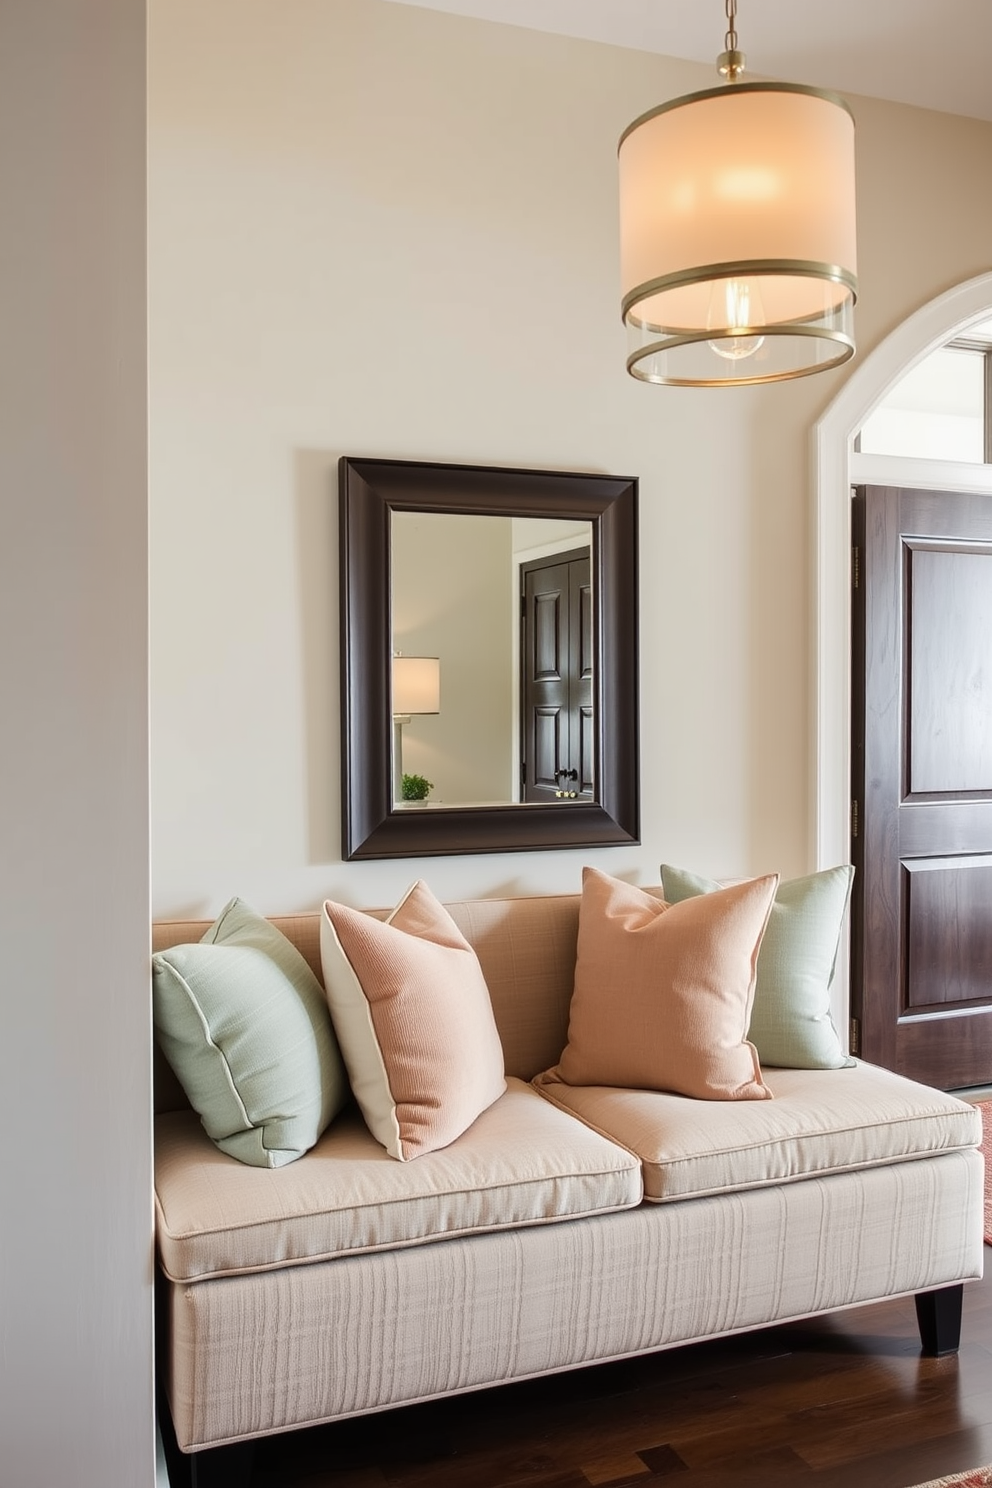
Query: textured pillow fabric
[(243, 1021), (413, 1017), (663, 992), (791, 1022)]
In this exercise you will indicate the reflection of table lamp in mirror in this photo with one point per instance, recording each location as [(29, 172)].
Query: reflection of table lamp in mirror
[(416, 689)]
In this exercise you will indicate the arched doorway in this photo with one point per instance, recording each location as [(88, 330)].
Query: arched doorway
[(835, 469)]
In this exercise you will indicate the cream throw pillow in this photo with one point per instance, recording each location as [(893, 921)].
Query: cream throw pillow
[(663, 992), (412, 1014)]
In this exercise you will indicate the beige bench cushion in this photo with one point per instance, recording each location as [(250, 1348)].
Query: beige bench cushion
[(521, 1163), (821, 1121)]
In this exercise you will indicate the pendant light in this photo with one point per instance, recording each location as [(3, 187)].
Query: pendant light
[(737, 232)]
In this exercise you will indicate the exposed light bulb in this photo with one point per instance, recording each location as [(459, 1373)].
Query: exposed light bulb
[(735, 305)]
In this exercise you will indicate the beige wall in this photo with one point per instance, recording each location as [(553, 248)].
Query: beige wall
[(75, 1046), (377, 230), (452, 598)]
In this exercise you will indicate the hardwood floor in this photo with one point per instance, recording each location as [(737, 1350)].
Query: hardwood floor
[(844, 1402)]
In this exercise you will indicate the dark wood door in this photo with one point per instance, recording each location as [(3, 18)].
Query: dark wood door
[(922, 781), (557, 754)]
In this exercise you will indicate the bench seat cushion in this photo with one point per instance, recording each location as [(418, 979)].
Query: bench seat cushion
[(522, 1162), (820, 1122)]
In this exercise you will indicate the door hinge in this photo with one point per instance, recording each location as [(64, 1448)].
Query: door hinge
[(855, 568), (855, 819), (855, 1035)]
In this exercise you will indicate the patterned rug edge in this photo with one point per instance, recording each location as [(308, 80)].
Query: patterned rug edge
[(977, 1477)]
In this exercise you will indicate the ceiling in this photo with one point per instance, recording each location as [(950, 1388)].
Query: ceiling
[(933, 53)]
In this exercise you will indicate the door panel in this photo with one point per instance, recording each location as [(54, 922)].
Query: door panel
[(550, 627), (941, 892), (950, 626), (922, 780), (547, 745)]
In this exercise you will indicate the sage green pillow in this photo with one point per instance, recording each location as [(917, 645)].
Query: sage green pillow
[(791, 1023), (244, 1023)]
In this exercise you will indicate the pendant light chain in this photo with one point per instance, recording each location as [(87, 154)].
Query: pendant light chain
[(730, 40), (731, 62)]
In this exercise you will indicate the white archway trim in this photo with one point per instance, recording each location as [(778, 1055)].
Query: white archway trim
[(832, 451)]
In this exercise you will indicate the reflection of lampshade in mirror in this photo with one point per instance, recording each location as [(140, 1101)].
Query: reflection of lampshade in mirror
[(416, 685)]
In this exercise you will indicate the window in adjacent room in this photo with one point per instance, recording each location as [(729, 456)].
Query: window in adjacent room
[(942, 408)]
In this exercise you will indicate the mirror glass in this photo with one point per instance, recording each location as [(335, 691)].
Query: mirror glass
[(487, 676), (489, 666)]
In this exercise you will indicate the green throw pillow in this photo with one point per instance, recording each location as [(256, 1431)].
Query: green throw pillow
[(791, 1024), (244, 1023)]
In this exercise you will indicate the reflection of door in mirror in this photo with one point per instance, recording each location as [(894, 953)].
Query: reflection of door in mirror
[(455, 594), (557, 677)]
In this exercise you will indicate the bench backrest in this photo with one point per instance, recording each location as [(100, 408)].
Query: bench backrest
[(526, 948)]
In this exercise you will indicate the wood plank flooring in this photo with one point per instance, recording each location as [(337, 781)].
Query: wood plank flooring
[(844, 1402)]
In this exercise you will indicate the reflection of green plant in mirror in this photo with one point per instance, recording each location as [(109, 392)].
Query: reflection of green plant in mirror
[(416, 787)]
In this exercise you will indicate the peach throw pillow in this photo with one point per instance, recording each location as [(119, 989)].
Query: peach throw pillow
[(663, 992), (412, 1014)]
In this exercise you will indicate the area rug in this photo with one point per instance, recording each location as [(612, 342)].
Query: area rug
[(977, 1478), (985, 1107)]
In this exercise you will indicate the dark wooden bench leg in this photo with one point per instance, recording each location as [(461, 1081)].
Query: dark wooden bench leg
[(939, 1318), (214, 1467), (222, 1467)]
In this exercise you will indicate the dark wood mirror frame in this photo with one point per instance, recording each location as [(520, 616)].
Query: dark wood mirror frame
[(370, 490)]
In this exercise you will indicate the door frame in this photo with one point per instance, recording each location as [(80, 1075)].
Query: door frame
[(836, 467)]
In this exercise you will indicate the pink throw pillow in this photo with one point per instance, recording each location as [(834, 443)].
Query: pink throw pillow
[(413, 1017), (663, 992)]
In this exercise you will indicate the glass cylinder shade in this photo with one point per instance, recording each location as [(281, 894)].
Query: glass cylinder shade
[(737, 236)]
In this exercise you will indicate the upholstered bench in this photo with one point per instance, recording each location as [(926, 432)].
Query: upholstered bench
[(567, 1224)]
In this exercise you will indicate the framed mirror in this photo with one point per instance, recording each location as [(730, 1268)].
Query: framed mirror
[(489, 665)]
